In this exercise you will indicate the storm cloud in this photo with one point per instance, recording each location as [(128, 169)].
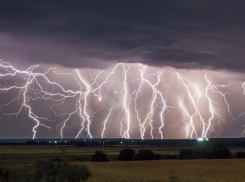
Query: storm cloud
[(95, 34)]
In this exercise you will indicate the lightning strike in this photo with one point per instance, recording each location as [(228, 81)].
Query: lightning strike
[(65, 101)]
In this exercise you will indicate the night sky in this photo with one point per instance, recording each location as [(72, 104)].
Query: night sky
[(169, 38)]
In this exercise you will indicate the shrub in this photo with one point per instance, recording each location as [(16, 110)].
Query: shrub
[(73, 173), (213, 149), (158, 156), (168, 156), (217, 149), (240, 154), (186, 154), (4, 174), (99, 156), (13, 175), (46, 170), (145, 154), (55, 171), (126, 154)]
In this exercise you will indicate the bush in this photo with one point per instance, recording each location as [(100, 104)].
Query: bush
[(158, 156), (73, 173), (46, 170), (217, 149), (145, 154), (186, 154), (213, 149), (126, 154), (4, 174), (168, 156), (51, 171), (240, 154), (99, 156)]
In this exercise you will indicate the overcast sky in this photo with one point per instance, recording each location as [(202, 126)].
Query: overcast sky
[(182, 34), (205, 35)]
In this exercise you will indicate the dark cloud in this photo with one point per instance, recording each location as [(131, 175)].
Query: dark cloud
[(182, 34)]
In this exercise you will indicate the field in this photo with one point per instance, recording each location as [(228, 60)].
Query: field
[(23, 157)]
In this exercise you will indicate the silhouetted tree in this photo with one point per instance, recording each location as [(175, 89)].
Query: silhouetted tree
[(240, 154), (145, 154), (126, 154), (99, 156), (186, 154), (212, 149), (218, 149)]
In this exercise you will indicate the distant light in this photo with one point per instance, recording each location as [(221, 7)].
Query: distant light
[(55, 142), (121, 142), (200, 139)]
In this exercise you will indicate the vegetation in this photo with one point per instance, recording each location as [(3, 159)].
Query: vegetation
[(213, 149), (60, 172), (4, 174), (48, 171), (126, 155), (169, 170), (19, 160), (240, 154), (99, 156), (168, 156), (145, 154)]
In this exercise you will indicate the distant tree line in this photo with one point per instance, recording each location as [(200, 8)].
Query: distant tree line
[(212, 149), (129, 154)]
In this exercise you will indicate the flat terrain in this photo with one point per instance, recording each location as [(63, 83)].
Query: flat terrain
[(227, 170), (23, 157)]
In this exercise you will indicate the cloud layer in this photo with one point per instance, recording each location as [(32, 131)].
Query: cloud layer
[(181, 34)]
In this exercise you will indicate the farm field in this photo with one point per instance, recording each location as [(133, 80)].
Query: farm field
[(222, 170), (22, 158)]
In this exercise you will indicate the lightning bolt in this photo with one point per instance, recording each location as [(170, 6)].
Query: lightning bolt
[(156, 95), (65, 103), (206, 125), (104, 122)]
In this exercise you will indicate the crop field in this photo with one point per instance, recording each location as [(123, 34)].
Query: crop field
[(22, 159), (222, 170)]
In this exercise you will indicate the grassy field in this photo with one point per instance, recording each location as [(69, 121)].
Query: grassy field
[(227, 170), (22, 158)]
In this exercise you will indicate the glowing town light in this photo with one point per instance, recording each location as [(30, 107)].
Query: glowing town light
[(200, 139)]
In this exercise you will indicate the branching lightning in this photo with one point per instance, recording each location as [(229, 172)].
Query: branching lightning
[(195, 98), (122, 89)]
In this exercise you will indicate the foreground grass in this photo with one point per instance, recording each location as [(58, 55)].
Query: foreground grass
[(227, 170)]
